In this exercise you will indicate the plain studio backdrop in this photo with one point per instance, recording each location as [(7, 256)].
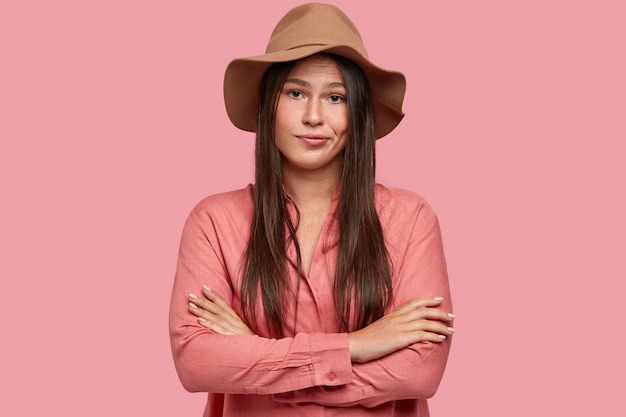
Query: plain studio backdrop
[(112, 127)]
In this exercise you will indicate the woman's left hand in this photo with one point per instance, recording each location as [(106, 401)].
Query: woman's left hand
[(214, 313)]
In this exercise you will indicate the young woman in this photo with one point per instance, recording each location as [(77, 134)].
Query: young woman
[(314, 291)]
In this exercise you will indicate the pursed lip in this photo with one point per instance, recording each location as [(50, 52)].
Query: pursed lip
[(313, 140), (312, 137)]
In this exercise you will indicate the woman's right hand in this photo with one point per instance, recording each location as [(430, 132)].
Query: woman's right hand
[(415, 321), (214, 313)]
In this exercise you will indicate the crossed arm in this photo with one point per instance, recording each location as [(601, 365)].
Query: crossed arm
[(418, 320)]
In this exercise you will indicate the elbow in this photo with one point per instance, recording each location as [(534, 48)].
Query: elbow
[(430, 371), (186, 375), (190, 359), (426, 387), (189, 385), (427, 391), (191, 373)]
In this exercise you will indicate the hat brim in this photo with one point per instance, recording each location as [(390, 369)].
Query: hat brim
[(243, 77)]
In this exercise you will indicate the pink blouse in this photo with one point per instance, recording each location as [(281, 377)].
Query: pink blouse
[(309, 374)]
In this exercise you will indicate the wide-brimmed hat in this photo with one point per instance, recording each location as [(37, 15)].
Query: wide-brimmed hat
[(304, 31)]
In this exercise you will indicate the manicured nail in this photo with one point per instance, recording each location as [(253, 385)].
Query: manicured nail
[(201, 320), (442, 336), (451, 329), (192, 305), (438, 298), (193, 296), (452, 316), (207, 289)]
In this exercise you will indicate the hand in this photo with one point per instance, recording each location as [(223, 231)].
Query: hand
[(416, 321), (214, 313)]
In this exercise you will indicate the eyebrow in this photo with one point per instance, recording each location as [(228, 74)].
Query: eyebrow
[(303, 83)]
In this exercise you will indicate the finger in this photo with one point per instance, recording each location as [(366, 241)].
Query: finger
[(426, 319), (209, 305), (210, 321), (431, 326), (421, 302), (212, 295), (200, 302), (198, 311), (423, 336), (215, 318), (202, 308), (427, 307), (434, 314), (218, 301), (216, 327), (421, 313)]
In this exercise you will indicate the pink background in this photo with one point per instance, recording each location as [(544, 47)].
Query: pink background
[(112, 127)]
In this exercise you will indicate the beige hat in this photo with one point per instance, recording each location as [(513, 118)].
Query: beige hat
[(302, 32)]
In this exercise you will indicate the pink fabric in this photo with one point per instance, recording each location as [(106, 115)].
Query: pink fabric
[(310, 373)]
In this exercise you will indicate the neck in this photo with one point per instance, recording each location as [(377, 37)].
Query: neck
[(309, 188)]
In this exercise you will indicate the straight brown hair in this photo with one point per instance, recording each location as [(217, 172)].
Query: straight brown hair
[(362, 282)]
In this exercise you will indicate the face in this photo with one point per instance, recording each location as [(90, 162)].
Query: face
[(311, 127)]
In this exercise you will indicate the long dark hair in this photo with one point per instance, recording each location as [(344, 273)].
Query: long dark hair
[(362, 283)]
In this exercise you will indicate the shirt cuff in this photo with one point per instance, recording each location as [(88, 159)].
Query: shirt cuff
[(330, 357)]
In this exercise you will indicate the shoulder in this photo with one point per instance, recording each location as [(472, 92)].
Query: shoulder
[(234, 205), (404, 215), (391, 201)]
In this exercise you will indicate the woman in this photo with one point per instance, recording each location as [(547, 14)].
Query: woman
[(314, 291)]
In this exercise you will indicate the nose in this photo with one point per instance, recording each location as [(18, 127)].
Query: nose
[(312, 113)]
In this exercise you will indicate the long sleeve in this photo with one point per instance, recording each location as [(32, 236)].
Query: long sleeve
[(210, 253), (311, 370), (420, 270)]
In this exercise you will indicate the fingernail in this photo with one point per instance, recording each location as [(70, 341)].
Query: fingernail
[(452, 316), (193, 296), (201, 320), (207, 289), (442, 336), (192, 305), (438, 298), (451, 329)]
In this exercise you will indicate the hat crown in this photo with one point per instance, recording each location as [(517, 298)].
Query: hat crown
[(315, 24)]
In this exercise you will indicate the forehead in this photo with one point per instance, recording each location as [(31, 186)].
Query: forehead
[(320, 67)]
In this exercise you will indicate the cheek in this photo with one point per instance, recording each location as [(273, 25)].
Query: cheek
[(281, 128), (340, 122), (284, 115)]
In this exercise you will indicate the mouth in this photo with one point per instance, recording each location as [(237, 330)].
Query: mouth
[(313, 140)]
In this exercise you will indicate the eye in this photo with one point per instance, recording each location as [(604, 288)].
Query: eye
[(294, 93), (336, 98)]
